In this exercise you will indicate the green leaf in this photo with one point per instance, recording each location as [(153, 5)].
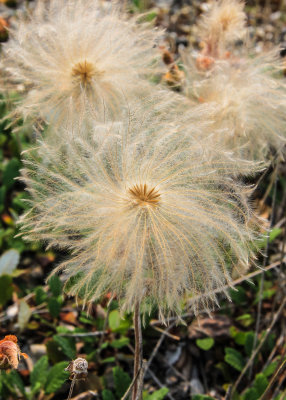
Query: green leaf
[(11, 171), (262, 243), (54, 307), (205, 344), (201, 397), (250, 394), (118, 343), (260, 384), (238, 295), (39, 374), (13, 381), (2, 197), (158, 395), (238, 336), (67, 345), (56, 377), (270, 369), (55, 285), (245, 320), (121, 381), (249, 342), (9, 262), (40, 295), (107, 395), (234, 358), (116, 323), (6, 289)]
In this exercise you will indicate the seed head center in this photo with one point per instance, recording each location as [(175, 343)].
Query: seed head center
[(84, 71), (142, 195)]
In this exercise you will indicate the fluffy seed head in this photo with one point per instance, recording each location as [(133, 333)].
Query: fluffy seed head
[(246, 100), (78, 59), (222, 24), (144, 213)]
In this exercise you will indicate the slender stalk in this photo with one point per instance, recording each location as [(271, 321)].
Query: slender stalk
[(138, 355), (71, 388)]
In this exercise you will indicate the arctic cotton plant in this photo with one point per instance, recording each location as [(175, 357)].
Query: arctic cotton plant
[(77, 60), (146, 217)]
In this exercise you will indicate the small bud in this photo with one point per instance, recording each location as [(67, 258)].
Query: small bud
[(77, 369), (10, 352)]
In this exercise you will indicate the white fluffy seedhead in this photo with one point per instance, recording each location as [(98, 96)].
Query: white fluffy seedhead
[(78, 59), (145, 216), (221, 25), (246, 100)]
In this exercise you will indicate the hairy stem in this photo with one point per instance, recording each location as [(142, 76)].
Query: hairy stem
[(138, 355)]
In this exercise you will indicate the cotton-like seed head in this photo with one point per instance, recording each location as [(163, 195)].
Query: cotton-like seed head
[(222, 24), (78, 60), (144, 213), (246, 100)]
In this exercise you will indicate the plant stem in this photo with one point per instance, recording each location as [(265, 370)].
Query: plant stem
[(71, 388), (138, 355)]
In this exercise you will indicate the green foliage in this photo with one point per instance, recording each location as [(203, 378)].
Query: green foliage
[(107, 395), (260, 384), (157, 395), (67, 344), (205, 344), (55, 285), (54, 306), (274, 233), (38, 376), (6, 289), (10, 172), (249, 342), (121, 381), (238, 295), (234, 358), (201, 397), (13, 383), (56, 377), (40, 295), (117, 324), (118, 343)]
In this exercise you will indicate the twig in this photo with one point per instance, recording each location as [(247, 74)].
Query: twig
[(158, 345), (131, 385), (138, 356), (261, 286), (258, 348), (154, 377), (278, 372), (84, 334)]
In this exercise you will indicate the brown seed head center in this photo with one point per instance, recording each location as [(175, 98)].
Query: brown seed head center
[(85, 71), (142, 195)]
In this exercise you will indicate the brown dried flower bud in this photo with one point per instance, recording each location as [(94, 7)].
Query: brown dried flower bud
[(78, 369), (10, 352)]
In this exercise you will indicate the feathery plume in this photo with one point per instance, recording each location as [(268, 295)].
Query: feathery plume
[(146, 216), (224, 23), (77, 59), (246, 99)]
